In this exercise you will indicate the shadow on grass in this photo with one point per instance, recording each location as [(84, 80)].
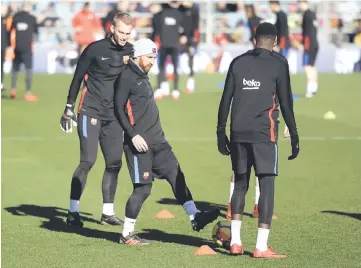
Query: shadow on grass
[(356, 216), (202, 205), (55, 221)]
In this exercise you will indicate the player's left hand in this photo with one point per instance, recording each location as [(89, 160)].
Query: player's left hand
[(295, 147), (68, 119), (223, 143)]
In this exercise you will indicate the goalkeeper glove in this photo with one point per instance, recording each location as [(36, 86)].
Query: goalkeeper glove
[(68, 119)]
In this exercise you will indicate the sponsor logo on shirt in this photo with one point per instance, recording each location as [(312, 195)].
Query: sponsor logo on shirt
[(251, 84)]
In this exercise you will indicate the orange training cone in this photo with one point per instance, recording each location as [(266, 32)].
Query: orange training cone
[(204, 250), (164, 214)]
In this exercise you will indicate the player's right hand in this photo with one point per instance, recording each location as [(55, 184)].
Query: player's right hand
[(140, 144), (68, 119), (295, 147), (223, 143)]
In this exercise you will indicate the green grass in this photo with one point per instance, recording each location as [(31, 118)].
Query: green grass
[(38, 160)]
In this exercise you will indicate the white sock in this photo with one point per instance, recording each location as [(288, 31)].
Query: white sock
[(257, 192), (313, 87), (108, 209), (309, 88), (191, 209), (231, 189), (256, 196), (190, 83), (236, 232), (129, 225), (262, 239), (74, 205), (165, 88)]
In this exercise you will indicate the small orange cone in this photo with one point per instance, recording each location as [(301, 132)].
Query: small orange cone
[(164, 214), (204, 250)]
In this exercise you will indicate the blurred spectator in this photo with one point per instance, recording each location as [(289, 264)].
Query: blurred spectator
[(121, 6), (253, 21), (221, 7), (5, 39), (48, 17), (86, 25), (143, 7)]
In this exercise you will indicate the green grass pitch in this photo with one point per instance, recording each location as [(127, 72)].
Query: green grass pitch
[(318, 198)]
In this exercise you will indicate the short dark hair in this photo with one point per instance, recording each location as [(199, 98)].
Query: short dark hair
[(266, 30), (124, 17)]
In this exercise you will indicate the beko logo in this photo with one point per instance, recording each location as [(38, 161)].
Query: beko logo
[(251, 84)]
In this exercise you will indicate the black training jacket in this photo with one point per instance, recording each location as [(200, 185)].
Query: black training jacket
[(99, 66), (257, 84), (135, 107)]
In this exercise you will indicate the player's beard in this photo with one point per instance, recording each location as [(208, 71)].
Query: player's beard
[(147, 68)]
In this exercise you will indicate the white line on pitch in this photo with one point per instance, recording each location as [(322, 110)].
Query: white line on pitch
[(175, 139)]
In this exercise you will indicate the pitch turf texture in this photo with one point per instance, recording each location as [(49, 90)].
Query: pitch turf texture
[(318, 198)]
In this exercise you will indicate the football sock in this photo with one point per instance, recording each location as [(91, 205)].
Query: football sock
[(236, 232), (262, 239), (257, 192), (108, 209), (231, 188), (28, 79), (312, 87), (191, 209), (14, 78), (129, 225), (74, 205)]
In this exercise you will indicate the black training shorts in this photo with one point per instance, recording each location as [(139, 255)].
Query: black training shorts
[(158, 162), (262, 156)]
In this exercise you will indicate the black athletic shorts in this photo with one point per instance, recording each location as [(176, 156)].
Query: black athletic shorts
[(164, 52), (157, 162), (25, 57), (109, 134), (309, 56), (262, 156)]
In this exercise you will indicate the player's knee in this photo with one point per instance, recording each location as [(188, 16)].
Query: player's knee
[(87, 165), (241, 182), (143, 192), (114, 166)]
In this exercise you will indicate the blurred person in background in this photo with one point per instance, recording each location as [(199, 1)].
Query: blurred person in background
[(283, 40), (253, 21), (23, 29), (167, 30), (357, 41), (5, 40), (190, 38), (121, 6), (310, 47), (86, 25)]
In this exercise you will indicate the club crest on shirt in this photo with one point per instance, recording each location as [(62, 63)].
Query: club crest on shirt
[(125, 59), (146, 175), (93, 121)]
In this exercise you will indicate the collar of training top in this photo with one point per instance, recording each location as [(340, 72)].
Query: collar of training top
[(125, 47), (136, 68), (262, 51)]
